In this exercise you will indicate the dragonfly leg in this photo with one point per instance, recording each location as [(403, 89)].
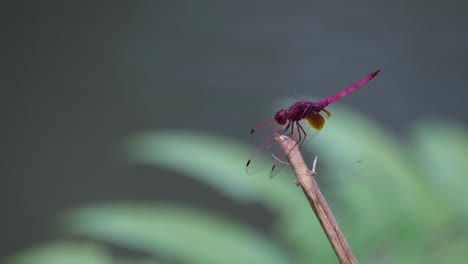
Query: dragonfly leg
[(301, 140), (283, 130), (292, 129), (299, 131)]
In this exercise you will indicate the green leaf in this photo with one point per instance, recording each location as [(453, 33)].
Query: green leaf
[(442, 150), (63, 252), (175, 232), (218, 162)]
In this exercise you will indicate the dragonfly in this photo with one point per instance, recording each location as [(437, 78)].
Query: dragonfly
[(300, 121)]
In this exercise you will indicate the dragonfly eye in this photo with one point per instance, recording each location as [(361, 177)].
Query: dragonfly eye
[(281, 116)]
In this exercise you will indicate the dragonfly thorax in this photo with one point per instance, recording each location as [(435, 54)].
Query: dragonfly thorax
[(300, 110)]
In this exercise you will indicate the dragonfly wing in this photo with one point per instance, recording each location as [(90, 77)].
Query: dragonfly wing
[(266, 156), (258, 161), (279, 160)]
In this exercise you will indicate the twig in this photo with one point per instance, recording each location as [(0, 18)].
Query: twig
[(305, 179)]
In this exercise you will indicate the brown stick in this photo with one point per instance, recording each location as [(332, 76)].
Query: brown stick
[(305, 179)]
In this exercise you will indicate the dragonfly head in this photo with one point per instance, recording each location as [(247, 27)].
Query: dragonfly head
[(281, 116)]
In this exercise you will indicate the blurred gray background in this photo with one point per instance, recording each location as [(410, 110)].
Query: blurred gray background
[(77, 77)]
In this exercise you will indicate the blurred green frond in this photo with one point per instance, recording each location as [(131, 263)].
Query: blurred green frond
[(441, 151), (63, 252), (174, 232)]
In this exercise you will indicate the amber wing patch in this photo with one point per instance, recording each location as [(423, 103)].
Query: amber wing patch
[(326, 112), (316, 121)]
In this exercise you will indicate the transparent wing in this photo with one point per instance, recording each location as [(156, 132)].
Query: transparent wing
[(267, 158), (267, 151)]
